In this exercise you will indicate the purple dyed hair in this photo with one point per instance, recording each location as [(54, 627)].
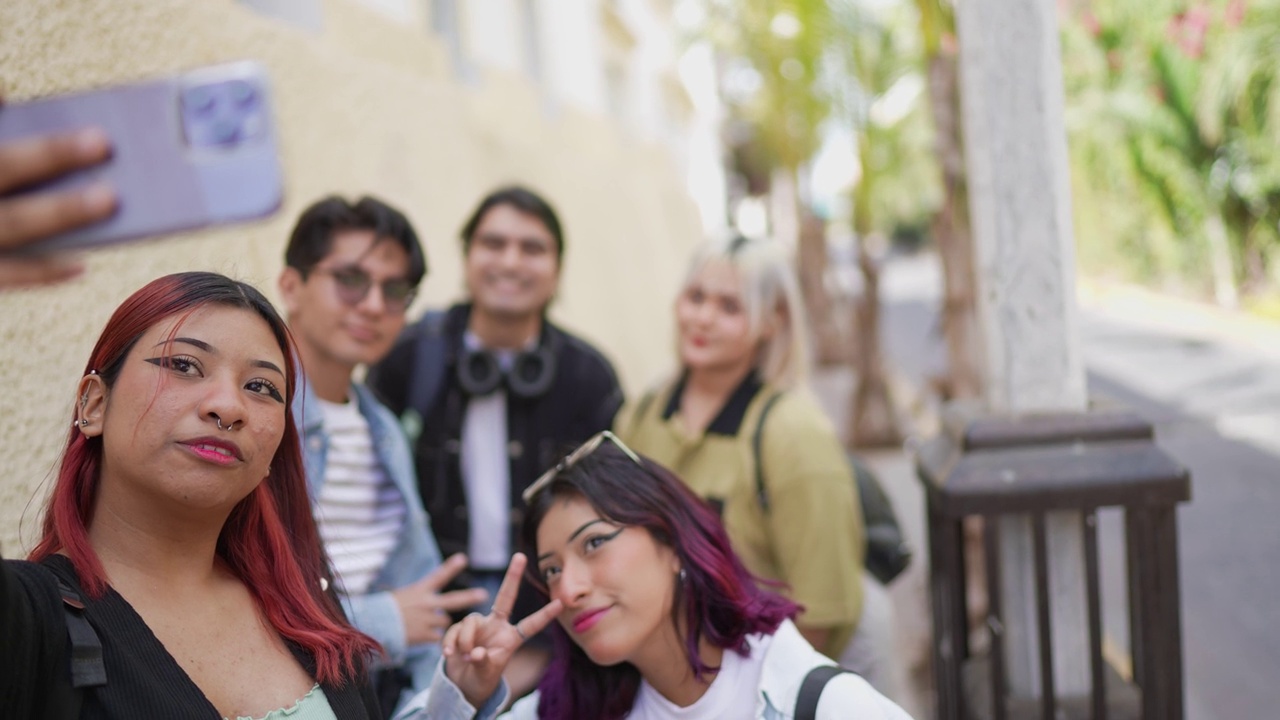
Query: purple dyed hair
[(719, 600)]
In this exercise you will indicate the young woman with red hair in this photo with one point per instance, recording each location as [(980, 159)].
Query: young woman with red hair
[(179, 573)]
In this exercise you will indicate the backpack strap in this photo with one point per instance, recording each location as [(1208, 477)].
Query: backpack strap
[(757, 449), (811, 690), (87, 667), (425, 372)]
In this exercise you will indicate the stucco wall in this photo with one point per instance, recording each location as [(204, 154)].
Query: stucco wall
[(365, 106)]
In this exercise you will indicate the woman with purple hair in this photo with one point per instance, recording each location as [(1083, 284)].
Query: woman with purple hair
[(657, 618)]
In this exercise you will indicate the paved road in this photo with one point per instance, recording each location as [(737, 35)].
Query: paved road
[(1215, 402)]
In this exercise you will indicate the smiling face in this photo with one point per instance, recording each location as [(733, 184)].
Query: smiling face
[(332, 332), (159, 420), (512, 266), (616, 582), (715, 333)]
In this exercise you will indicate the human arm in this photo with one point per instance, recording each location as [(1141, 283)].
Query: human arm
[(477, 649), (34, 640), (442, 700), (425, 607), (814, 523), (414, 614), (33, 217)]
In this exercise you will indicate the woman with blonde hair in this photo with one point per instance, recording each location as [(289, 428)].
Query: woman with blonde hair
[(737, 423)]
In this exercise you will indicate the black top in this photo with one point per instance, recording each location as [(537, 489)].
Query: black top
[(582, 400), (143, 679), (729, 420)]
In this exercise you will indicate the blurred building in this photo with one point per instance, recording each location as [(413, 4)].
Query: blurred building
[(425, 103)]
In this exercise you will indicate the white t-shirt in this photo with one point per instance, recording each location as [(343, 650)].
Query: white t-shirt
[(360, 513), (731, 696), (486, 472)]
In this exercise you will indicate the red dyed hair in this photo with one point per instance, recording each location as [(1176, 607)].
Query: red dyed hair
[(270, 539)]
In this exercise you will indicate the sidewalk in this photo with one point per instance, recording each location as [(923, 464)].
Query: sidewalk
[(1132, 304), (1211, 380)]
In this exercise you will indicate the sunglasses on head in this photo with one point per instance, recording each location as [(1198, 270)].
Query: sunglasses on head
[(354, 284), (591, 445)]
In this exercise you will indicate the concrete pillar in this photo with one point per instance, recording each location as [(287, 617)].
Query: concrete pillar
[(1020, 205)]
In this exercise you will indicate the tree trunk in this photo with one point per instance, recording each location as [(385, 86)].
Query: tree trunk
[(952, 233), (796, 227), (874, 422), (1225, 292), (833, 344)]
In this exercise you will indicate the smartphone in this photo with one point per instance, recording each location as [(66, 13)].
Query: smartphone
[(190, 150)]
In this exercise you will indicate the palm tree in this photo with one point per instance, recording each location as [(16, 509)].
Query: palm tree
[(951, 228), (878, 91)]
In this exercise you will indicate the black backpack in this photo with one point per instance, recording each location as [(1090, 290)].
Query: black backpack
[(887, 552)]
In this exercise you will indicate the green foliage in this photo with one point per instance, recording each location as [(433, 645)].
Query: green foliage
[(875, 78), (833, 61), (781, 44), (1173, 118)]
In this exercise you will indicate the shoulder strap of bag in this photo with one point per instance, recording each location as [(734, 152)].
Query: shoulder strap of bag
[(757, 449), (87, 667), (427, 374), (811, 690)]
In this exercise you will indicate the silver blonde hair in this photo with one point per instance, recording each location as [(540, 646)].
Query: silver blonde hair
[(770, 294)]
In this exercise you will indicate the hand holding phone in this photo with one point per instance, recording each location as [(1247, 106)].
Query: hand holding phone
[(187, 151), (29, 218)]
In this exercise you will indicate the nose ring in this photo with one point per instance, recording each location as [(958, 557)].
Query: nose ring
[(230, 426)]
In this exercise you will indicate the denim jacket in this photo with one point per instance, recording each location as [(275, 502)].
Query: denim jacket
[(416, 554), (788, 658)]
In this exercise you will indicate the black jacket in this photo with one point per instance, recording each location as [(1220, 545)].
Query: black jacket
[(142, 680), (582, 400)]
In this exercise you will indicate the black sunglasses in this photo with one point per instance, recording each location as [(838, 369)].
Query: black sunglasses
[(354, 285)]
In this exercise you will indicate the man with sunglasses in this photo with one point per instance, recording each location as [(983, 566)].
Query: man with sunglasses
[(351, 272), (493, 393)]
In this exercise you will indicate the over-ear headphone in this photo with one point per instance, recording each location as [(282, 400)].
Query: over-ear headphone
[(531, 374)]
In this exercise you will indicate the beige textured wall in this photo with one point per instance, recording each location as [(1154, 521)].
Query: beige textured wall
[(365, 106)]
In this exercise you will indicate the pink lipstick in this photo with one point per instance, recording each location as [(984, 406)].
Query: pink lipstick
[(588, 619), (214, 450)]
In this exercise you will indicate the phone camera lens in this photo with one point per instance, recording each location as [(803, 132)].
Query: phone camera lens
[(243, 94), (224, 132), (200, 100)]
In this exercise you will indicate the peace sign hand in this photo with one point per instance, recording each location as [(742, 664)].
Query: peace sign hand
[(477, 649)]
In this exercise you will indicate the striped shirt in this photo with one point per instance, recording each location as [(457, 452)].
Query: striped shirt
[(360, 513)]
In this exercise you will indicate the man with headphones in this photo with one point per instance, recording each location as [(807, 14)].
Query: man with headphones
[(492, 394)]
